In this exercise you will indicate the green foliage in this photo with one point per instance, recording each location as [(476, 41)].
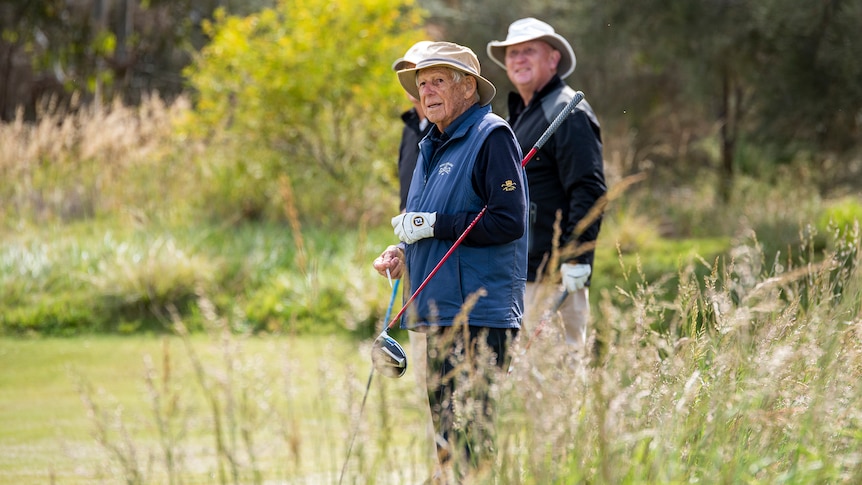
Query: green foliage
[(328, 288), (304, 89), (286, 304), (65, 314), (844, 215), (103, 277), (808, 69), (93, 282)]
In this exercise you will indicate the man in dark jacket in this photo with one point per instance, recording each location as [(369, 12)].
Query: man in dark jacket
[(416, 126), (567, 175)]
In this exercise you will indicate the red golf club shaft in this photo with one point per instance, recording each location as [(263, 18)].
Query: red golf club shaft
[(579, 96)]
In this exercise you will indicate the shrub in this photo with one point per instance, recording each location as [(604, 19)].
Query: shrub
[(275, 98)]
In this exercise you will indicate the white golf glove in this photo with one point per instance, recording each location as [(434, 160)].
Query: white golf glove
[(413, 226), (575, 275)]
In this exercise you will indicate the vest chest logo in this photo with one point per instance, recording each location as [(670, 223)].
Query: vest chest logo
[(509, 186), (445, 168)]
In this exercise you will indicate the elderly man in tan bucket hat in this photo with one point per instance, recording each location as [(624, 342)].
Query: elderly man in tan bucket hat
[(471, 309), (415, 127), (566, 176)]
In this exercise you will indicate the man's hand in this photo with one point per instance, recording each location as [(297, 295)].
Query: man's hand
[(393, 260), (575, 275), (413, 226)]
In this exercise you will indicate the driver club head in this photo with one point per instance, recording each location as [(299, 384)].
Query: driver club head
[(388, 357)]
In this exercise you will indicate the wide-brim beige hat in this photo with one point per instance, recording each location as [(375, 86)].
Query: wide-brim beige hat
[(451, 55), (413, 55), (527, 29)]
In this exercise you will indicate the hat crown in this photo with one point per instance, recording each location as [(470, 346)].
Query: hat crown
[(416, 52), (529, 27), (413, 55), (451, 53)]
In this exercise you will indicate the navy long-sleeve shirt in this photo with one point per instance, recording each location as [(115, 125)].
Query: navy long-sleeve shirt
[(500, 224)]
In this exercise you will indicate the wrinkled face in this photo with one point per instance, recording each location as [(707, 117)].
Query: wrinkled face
[(442, 98), (530, 65)]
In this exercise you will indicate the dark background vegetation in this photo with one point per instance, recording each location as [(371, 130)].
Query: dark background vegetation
[(777, 80)]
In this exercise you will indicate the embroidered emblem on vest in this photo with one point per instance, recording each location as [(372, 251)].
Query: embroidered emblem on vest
[(445, 168), (509, 186)]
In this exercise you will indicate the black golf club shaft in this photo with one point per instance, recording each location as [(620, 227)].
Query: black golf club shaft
[(367, 387)]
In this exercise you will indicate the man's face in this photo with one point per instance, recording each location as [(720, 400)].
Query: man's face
[(530, 65), (443, 99)]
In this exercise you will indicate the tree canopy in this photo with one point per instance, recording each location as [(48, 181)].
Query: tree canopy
[(309, 85)]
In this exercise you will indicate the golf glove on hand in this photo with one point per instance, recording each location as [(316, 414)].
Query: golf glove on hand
[(413, 226), (575, 275)]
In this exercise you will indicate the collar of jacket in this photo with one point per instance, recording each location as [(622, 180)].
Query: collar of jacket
[(516, 103)]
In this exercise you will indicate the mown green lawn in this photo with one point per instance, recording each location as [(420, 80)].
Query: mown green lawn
[(44, 430), (47, 434)]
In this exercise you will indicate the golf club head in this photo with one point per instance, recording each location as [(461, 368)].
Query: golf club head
[(388, 357)]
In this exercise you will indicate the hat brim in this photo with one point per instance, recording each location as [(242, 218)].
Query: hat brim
[(497, 51), (400, 64), (407, 78)]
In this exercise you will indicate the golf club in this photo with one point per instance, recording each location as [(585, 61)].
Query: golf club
[(567, 110), (403, 358), (387, 355), (558, 302), (561, 298)]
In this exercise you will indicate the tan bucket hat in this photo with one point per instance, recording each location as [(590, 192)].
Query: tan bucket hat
[(451, 55), (413, 55), (527, 29)]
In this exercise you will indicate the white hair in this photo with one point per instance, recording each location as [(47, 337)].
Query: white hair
[(457, 77)]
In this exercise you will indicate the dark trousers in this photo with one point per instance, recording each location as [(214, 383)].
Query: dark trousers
[(462, 364)]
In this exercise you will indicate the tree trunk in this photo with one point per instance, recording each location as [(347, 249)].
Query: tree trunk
[(728, 137), (100, 21)]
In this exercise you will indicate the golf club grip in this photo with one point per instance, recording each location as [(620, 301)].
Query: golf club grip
[(567, 110), (561, 298), (570, 107)]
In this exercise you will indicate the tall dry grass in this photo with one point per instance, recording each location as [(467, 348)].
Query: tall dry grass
[(89, 161), (756, 382), (747, 376)]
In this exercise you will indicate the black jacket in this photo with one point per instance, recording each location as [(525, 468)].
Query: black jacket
[(411, 135), (567, 174)]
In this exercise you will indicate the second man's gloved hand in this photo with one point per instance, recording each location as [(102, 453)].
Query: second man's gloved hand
[(413, 226), (575, 276)]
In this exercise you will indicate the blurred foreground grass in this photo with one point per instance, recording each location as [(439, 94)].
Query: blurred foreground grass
[(746, 375), (102, 409)]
